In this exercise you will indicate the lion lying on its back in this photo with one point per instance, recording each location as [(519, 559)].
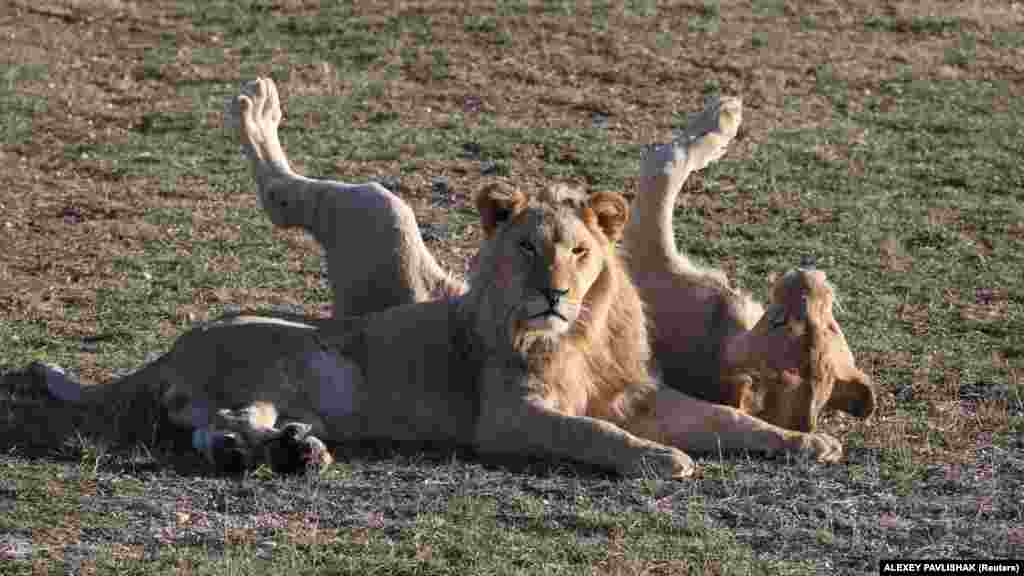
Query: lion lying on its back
[(547, 354)]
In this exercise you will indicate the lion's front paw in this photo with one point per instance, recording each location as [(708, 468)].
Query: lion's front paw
[(661, 462), (821, 447), (296, 450)]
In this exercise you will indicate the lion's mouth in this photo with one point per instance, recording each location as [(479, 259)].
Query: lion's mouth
[(547, 314), (548, 321)]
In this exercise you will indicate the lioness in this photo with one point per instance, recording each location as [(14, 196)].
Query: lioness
[(714, 341), (710, 339), (546, 354)]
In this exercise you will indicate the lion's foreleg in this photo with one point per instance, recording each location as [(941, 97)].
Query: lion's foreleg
[(524, 427), (699, 426)]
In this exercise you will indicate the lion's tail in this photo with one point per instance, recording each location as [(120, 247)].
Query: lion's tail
[(123, 411)]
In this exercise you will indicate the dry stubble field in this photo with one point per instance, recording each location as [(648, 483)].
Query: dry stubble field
[(882, 138)]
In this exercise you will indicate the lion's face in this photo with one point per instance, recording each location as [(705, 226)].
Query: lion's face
[(812, 367), (547, 260), (543, 264)]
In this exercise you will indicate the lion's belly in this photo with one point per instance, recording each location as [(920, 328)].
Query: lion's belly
[(334, 384), (683, 350)]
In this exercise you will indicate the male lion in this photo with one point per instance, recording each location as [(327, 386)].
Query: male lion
[(546, 354), (710, 339)]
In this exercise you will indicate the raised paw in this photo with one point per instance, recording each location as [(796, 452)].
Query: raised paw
[(661, 462), (296, 450), (704, 139), (256, 114), (821, 447)]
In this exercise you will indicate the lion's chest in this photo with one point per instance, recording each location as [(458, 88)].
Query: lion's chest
[(564, 382)]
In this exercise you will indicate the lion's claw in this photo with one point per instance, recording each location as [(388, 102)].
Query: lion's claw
[(662, 462), (821, 447)]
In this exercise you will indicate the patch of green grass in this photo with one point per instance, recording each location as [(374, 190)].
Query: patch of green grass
[(439, 64), (711, 88), (512, 7), (481, 23), (570, 153), (925, 25), (559, 7), (469, 538), (708, 19), (11, 74), (963, 53), (16, 108), (830, 84), (50, 501), (599, 15), (1008, 39), (770, 8), (642, 8), (467, 532)]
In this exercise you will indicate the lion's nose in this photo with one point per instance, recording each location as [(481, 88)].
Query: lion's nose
[(554, 295)]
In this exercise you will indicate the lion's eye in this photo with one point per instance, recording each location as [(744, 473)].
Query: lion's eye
[(526, 247), (580, 251)]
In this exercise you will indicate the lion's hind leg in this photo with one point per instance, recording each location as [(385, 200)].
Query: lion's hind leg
[(376, 255)]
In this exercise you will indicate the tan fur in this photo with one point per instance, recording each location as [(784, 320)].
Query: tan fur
[(507, 368), (606, 350), (711, 339), (700, 352), (714, 341)]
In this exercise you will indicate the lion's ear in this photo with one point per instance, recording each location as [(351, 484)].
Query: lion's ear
[(497, 202), (611, 211)]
